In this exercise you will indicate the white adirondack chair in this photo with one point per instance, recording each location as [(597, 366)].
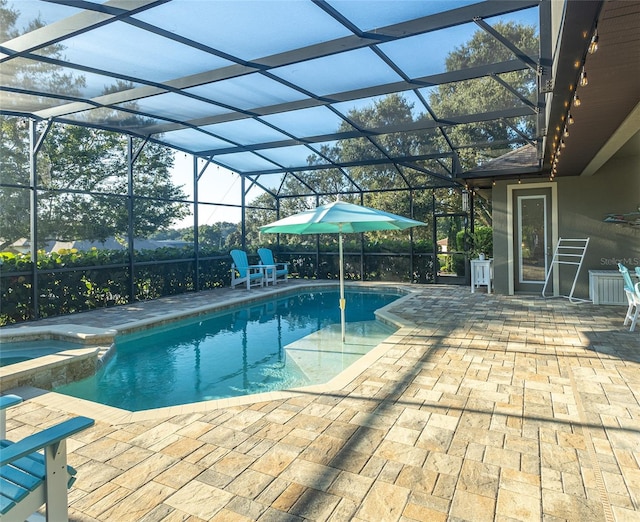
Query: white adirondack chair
[(30, 478)]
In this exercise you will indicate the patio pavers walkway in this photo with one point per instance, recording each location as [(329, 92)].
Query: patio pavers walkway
[(484, 408)]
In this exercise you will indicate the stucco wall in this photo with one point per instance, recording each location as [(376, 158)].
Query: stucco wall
[(583, 202), (500, 245)]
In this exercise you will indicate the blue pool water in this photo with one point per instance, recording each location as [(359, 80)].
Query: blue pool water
[(16, 352), (237, 352)]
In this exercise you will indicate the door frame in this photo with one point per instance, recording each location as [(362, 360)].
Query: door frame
[(511, 221)]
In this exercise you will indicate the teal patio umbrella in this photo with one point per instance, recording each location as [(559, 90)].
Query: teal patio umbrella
[(339, 218)]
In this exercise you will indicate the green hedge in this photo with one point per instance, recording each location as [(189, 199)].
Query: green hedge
[(71, 281)]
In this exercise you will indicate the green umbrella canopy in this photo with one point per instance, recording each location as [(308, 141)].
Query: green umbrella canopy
[(337, 217)]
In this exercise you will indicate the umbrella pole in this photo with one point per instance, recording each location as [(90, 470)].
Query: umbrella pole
[(342, 300)]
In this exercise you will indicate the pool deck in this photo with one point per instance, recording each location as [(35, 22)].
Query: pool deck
[(480, 408)]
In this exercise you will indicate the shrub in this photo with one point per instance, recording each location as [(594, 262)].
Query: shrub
[(480, 242), (71, 281)]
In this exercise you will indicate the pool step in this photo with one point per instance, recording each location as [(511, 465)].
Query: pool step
[(322, 355)]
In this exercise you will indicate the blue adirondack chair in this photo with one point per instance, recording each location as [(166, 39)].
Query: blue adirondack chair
[(633, 297), (281, 269), (242, 273), (29, 478)]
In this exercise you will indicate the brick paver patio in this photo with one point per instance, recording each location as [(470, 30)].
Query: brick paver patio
[(482, 408)]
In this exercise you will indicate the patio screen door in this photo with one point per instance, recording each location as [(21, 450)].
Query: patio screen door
[(532, 238)]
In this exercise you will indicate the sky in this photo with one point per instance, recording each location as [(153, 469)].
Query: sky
[(217, 185)]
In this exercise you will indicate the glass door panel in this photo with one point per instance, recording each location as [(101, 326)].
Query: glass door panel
[(532, 223), (531, 238)]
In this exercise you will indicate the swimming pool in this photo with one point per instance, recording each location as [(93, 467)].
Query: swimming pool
[(265, 346)]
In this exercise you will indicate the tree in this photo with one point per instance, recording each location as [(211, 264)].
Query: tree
[(82, 172), (14, 178), (466, 97), (486, 94), (82, 176), (14, 151), (210, 237), (391, 110)]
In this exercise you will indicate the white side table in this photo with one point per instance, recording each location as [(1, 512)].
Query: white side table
[(269, 274), (481, 274)]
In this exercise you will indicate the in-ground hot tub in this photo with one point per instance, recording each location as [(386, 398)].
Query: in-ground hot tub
[(17, 352), (45, 357)]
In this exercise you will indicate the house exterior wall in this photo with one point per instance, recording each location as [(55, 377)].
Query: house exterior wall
[(583, 203), (500, 238)]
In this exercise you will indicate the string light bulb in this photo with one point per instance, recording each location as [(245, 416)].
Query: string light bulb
[(576, 100), (593, 46), (584, 81), (570, 119)]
